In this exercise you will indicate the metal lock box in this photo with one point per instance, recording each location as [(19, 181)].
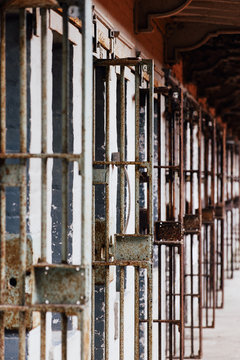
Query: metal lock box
[(133, 247)]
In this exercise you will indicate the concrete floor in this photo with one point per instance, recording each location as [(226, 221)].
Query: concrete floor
[(223, 342)]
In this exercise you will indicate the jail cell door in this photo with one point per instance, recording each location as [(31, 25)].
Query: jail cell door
[(232, 208), (192, 231), (208, 225), (34, 287), (220, 211), (229, 209), (122, 216), (169, 225), (236, 204)]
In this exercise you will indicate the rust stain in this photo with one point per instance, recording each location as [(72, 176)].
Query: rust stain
[(13, 280)]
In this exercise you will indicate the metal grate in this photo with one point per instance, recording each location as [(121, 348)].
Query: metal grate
[(125, 251), (208, 227), (169, 226), (40, 287), (220, 211), (192, 227)]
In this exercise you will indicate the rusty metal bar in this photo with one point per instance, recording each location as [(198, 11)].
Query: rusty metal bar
[(44, 86), (159, 179), (122, 202), (65, 110), (143, 164), (150, 201), (69, 157), (3, 82), (136, 318), (200, 232), (93, 226), (121, 342), (181, 211), (108, 75), (122, 151), (23, 187), (137, 117), (65, 114), (119, 62), (43, 335), (2, 190)]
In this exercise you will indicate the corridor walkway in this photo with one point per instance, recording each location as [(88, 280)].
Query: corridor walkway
[(223, 342)]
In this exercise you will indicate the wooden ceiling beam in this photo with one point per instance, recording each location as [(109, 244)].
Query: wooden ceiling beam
[(186, 36), (146, 10)]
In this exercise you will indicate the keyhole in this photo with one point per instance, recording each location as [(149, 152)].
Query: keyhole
[(13, 282)]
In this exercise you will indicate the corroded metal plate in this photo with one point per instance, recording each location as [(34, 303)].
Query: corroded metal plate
[(58, 284), (133, 247)]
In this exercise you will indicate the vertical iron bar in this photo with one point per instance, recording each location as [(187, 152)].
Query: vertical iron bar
[(136, 319), (107, 213), (3, 82), (192, 330), (122, 203), (93, 225), (122, 150), (65, 113), (43, 335), (213, 171), (181, 210), (65, 103), (159, 218), (23, 188), (137, 115), (86, 172), (200, 227), (2, 190), (64, 336), (122, 312), (44, 85), (192, 298), (150, 199), (170, 252), (107, 314)]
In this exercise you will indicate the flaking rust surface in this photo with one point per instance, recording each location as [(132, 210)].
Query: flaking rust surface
[(13, 268)]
